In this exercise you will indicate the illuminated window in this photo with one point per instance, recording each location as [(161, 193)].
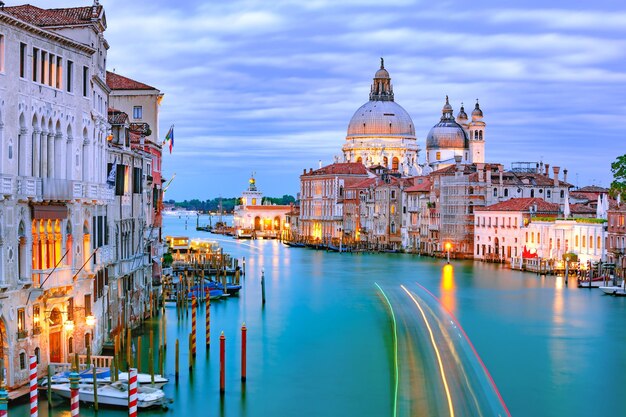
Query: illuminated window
[(590, 242), (254, 201), (576, 240), (21, 323), (438, 156), (599, 243)]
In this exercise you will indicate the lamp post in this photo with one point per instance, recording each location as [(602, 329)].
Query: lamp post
[(448, 246)]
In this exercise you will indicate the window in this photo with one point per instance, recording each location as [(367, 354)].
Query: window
[(85, 81), (137, 112), (37, 354), (562, 194), (532, 193), (36, 319), (21, 323), (35, 64), (1, 52), (43, 76), (70, 308), (69, 77), (87, 304), (22, 360), (495, 192), (23, 60), (506, 192), (137, 181), (70, 344), (59, 69), (438, 156), (548, 193), (599, 243), (120, 174), (393, 194)]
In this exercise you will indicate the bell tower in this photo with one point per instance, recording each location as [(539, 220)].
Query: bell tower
[(477, 136)]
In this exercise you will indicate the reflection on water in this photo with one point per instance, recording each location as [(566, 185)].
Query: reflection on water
[(448, 298)]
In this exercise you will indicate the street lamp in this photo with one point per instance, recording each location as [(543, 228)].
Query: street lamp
[(448, 246), (90, 320)]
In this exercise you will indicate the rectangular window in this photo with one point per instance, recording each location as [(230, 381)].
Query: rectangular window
[(137, 112), (1, 52), (43, 73), (36, 318), (137, 180), (59, 81), (35, 64), (52, 73), (69, 80), (87, 304), (21, 323), (85, 81), (119, 179), (23, 60), (70, 308)]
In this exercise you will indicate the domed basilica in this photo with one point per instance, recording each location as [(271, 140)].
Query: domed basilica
[(381, 132)]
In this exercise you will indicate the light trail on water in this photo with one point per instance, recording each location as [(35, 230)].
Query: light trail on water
[(395, 350), (434, 344)]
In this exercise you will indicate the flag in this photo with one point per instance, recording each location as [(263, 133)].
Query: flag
[(112, 174), (170, 137)]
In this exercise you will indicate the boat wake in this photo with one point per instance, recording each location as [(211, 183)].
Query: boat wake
[(437, 369)]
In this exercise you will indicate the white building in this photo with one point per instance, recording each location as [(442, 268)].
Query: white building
[(381, 132), (253, 219), (53, 218)]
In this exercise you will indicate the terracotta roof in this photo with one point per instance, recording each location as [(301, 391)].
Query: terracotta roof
[(592, 189), (362, 183), (71, 16), (342, 168), (119, 82), (581, 209), (424, 186), (522, 204)]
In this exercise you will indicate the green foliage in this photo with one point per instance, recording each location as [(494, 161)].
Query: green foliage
[(285, 200), (589, 220), (618, 168), (228, 204), (167, 259), (543, 219)]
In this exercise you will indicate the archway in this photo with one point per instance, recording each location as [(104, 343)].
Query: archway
[(5, 364), (257, 223), (496, 247), (276, 224), (55, 322)]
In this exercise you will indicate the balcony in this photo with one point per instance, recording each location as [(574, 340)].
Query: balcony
[(6, 185), (29, 188), (61, 190), (59, 278), (22, 334)]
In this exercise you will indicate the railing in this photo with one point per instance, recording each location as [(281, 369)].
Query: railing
[(55, 189), (29, 187), (6, 185)]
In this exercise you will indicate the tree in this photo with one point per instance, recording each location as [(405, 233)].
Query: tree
[(618, 168)]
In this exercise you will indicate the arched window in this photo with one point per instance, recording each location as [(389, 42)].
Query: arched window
[(576, 241), (590, 242), (599, 243), (359, 160), (70, 345), (21, 252), (562, 194), (476, 134), (395, 163), (480, 134), (438, 156), (22, 360), (69, 243), (470, 191), (87, 340), (385, 162), (506, 192), (37, 354), (495, 192), (548, 194), (532, 193)]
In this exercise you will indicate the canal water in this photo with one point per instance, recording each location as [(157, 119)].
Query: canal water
[(322, 345)]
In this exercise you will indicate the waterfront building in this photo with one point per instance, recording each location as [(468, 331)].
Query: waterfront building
[(416, 219), (381, 132), (355, 193), (616, 236), (322, 198), (254, 219), (129, 274), (141, 103), (53, 211)]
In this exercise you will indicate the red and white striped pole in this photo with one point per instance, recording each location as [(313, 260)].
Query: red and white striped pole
[(33, 386), (74, 378), (194, 308), (132, 392)]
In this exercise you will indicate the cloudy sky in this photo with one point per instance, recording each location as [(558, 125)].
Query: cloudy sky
[(270, 86)]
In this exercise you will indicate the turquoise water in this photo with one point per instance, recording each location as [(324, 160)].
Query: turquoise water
[(323, 346)]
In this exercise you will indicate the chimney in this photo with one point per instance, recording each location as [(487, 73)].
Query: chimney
[(547, 171), (303, 171), (310, 170), (556, 175), (481, 172), (500, 173), (457, 161), (564, 175)]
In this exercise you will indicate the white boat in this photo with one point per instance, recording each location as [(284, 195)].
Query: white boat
[(615, 289), (103, 376), (115, 394)]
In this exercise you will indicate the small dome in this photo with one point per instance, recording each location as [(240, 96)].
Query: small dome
[(382, 73), (447, 108), (381, 118), (462, 116), (477, 113), (447, 134)]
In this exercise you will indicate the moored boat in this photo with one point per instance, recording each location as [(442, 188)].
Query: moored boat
[(115, 394), (103, 376)]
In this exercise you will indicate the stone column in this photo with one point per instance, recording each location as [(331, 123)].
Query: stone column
[(36, 146), (43, 171), (50, 156)]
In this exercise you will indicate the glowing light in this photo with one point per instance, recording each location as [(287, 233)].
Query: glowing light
[(90, 320), (432, 341), (448, 246), (69, 325)]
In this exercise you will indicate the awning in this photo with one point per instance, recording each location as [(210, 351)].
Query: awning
[(49, 212)]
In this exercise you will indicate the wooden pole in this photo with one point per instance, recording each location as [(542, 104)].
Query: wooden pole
[(263, 285), (161, 360), (88, 357), (177, 361), (95, 389), (49, 386), (222, 363), (129, 357), (151, 365), (138, 353), (244, 332), (164, 333)]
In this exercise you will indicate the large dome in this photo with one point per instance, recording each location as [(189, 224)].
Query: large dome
[(447, 134), (381, 118)]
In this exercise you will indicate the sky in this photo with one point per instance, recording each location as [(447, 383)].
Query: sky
[(270, 86)]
